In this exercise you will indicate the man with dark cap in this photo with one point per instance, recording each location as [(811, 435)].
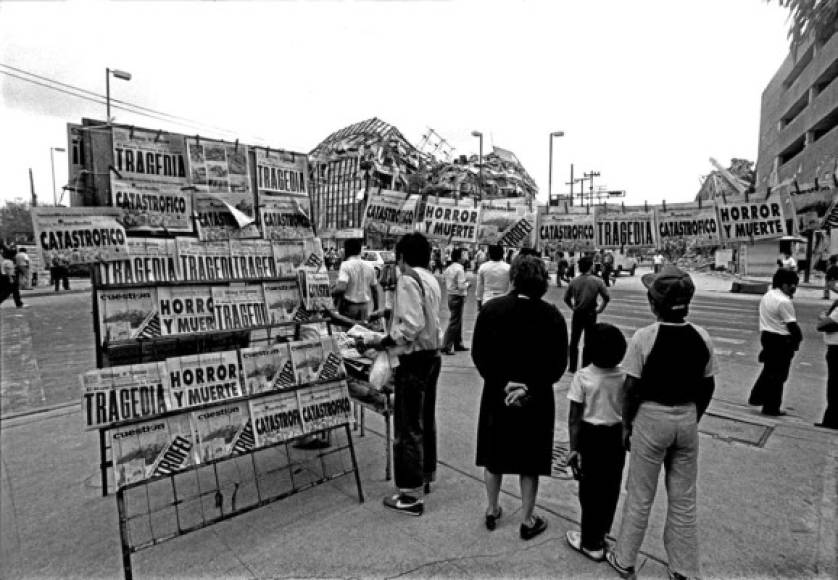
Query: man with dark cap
[(780, 337), (669, 383)]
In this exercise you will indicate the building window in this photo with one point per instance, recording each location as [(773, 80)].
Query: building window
[(798, 68), (825, 125), (794, 110), (792, 150), (826, 78)]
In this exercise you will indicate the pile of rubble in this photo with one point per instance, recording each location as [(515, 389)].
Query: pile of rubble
[(502, 176)]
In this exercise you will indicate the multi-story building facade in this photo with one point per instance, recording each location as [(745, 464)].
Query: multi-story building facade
[(798, 137)]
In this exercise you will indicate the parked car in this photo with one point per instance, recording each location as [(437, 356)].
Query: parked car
[(624, 263), (378, 258)]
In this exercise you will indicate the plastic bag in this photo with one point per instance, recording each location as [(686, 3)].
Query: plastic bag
[(381, 372)]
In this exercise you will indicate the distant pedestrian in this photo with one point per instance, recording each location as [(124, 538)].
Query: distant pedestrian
[(8, 279), (780, 337), (657, 262), (828, 324), (457, 287), (519, 348), (571, 266), (607, 267), (669, 367), (595, 426), (788, 262), (22, 269), (587, 297), (562, 266), (60, 272), (492, 277), (480, 258)]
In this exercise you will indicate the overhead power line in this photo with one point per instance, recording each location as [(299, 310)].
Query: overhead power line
[(91, 96)]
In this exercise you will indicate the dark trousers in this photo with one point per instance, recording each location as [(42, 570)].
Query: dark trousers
[(414, 419), (607, 272), (61, 274), (454, 332), (354, 310), (9, 287), (830, 416), (603, 457), (581, 321), (776, 355)]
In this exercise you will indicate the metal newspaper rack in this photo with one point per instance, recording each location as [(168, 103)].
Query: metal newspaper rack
[(165, 507)]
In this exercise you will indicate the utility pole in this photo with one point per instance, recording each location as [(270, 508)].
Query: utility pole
[(34, 202), (570, 183), (590, 175)]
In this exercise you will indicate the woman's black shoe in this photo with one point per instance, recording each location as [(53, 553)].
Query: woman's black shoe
[(492, 519), (529, 532)]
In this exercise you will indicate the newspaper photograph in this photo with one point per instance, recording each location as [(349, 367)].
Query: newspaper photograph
[(285, 217), (127, 314), (222, 431), (282, 300), (267, 368), (222, 216), (216, 166), (152, 449), (288, 256), (316, 292), (307, 356)]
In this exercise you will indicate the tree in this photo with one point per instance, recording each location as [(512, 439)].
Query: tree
[(810, 18), (16, 221)]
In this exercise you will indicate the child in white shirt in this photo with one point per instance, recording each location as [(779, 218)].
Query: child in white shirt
[(597, 454)]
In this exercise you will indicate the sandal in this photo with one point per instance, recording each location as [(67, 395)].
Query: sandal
[(574, 540), (492, 519)]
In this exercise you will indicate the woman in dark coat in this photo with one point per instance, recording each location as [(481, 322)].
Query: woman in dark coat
[(520, 348)]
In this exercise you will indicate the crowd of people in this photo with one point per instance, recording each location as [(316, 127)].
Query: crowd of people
[(621, 397), (16, 273)]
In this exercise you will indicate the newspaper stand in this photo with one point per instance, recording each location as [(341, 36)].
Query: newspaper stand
[(203, 494)]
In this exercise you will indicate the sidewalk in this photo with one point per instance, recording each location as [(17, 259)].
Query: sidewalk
[(77, 286)]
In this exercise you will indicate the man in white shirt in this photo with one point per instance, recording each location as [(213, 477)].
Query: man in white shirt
[(788, 262), (457, 287), (492, 277), (415, 336), (357, 283), (780, 337), (657, 261)]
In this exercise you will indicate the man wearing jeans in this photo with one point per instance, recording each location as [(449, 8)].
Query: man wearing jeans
[(457, 287), (415, 338), (669, 383), (581, 297)]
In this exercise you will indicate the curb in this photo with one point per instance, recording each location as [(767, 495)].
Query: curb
[(39, 293)]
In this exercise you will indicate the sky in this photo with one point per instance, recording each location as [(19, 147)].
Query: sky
[(645, 91)]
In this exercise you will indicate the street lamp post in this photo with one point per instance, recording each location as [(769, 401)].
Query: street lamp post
[(550, 171), (479, 135), (52, 165), (120, 74)]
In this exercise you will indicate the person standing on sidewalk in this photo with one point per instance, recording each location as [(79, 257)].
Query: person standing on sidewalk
[(457, 287), (414, 337), (581, 297), (8, 280), (607, 268), (492, 277), (780, 336), (519, 348), (595, 426), (657, 261), (60, 272), (828, 324), (24, 282), (357, 285), (669, 367)]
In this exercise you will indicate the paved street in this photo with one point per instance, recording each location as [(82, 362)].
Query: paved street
[(767, 486)]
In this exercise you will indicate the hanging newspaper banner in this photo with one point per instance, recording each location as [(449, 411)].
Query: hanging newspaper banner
[(216, 166), (152, 449), (128, 314), (239, 307), (201, 379), (267, 368), (276, 418), (390, 212), (755, 220), (281, 172), (80, 235), (450, 221), (222, 431), (123, 393), (285, 218), (149, 260), (569, 232), (252, 259), (149, 156), (151, 207), (506, 225), (629, 229), (223, 216), (693, 225)]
